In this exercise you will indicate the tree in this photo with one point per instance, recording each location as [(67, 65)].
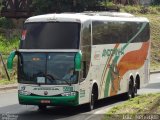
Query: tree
[(126, 2), (156, 2), (1, 5), (50, 6)]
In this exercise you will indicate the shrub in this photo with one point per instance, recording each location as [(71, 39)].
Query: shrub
[(6, 23), (156, 2), (140, 9), (7, 45)]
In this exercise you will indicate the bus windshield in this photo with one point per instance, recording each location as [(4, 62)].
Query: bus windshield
[(50, 68), (50, 35)]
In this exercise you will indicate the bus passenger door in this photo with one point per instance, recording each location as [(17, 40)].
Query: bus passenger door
[(85, 46), (83, 84)]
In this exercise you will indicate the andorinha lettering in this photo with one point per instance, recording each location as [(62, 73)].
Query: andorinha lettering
[(46, 88), (109, 52)]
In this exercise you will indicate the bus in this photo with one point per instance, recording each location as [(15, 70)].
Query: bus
[(69, 59)]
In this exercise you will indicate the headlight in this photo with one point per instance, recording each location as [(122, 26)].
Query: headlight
[(69, 94), (23, 92)]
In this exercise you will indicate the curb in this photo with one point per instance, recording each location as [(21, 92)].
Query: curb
[(152, 72), (8, 87)]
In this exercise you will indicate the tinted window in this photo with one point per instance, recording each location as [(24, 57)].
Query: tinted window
[(56, 68), (51, 35), (86, 49), (119, 32), (86, 35), (31, 64)]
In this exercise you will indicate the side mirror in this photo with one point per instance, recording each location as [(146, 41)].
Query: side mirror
[(10, 60), (78, 59)]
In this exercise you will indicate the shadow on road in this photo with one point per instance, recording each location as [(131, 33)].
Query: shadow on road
[(68, 113)]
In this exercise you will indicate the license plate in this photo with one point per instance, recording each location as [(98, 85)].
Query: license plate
[(45, 101)]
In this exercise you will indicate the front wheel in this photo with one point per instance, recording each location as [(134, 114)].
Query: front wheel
[(42, 107), (91, 104)]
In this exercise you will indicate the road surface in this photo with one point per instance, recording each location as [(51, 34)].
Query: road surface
[(9, 106)]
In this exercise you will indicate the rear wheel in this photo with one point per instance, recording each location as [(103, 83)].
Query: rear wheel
[(131, 91), (135, 89)]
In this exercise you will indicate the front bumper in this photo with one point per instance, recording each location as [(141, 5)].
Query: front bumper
[(54, 101)]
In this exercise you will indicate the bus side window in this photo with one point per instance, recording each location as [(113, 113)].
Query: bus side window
[(86, 50), (85, 69)]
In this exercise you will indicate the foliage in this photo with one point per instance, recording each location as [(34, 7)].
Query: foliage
[(108, 4), (7, 45), (140, 9), (156, 2), (6, 23), (1, 5), (155, 40), (6, 82), (49, 6), (152, 13), (143, 104)]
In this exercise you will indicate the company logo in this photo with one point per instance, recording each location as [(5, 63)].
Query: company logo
[(45, 93), (97, 55), (115, 51)]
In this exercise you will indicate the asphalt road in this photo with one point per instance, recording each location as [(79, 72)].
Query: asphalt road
[(9, 107)]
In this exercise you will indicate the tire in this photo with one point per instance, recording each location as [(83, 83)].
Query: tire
[(42, 107), (91, 104), (131, 91), (135, 89)]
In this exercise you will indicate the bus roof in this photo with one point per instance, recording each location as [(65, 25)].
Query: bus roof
[(81, 17)]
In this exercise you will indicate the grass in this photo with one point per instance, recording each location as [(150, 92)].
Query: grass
[(144, 104), (155, 39), (6, 82), (8, 45), (140, 9)]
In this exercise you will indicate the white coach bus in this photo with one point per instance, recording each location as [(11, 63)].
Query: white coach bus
[(72, 59)]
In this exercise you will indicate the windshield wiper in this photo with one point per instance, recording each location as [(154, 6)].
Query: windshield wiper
[(39, 74), (49, 76), (53, 78)]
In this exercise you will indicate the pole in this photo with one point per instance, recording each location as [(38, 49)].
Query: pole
[(5, 67)]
